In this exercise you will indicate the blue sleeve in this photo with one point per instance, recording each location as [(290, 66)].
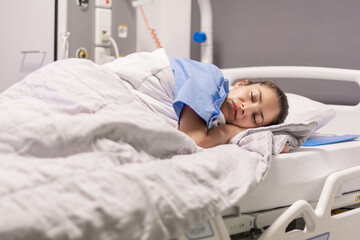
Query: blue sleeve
[(201, 86)]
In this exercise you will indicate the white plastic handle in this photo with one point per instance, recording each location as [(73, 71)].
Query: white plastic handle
[(33, 51), (300, 208), (332, 184), (314, 219)]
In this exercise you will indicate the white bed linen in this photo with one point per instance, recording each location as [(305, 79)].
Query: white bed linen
[(85, 156), (301, 174)]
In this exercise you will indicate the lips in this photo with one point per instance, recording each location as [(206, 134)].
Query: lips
[(235, 110)]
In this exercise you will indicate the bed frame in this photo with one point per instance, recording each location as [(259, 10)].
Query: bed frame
[(300, 220)]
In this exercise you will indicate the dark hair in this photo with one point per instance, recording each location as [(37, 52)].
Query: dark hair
[(283, 102)]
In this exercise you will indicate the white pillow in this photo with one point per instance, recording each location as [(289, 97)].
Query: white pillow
[(302, 109)]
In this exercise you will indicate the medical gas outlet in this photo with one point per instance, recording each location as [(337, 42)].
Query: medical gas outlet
[(82, 53)]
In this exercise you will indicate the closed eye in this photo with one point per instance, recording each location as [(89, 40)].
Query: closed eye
[(261, 119), (256, 95)]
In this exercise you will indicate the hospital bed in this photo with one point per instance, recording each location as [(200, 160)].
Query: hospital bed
[(298, 195), (91, 151)]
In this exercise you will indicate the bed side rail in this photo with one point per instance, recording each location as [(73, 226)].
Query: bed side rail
[(234, 74), (320, 224)]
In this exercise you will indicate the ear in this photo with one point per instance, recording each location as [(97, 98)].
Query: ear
[(241, 83)]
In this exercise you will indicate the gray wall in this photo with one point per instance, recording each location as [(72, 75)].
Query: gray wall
[(124, 13), (81, 24), (320, 33)]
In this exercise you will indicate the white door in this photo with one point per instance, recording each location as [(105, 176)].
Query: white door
[(26, 38)]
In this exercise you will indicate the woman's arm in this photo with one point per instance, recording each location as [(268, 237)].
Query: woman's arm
[(195, 127)]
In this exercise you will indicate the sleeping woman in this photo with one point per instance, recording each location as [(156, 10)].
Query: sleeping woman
[(211, 114)]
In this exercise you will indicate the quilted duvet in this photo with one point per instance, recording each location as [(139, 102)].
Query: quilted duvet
[(93, 152)]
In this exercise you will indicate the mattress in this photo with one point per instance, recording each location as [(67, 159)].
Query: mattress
[(301, 174)]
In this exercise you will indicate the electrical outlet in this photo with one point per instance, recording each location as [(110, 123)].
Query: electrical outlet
[(122, 31)]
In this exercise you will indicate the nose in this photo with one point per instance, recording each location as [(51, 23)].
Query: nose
[(246, 106), (243, 106)]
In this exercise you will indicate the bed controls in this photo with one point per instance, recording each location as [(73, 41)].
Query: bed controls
[(242, 223), (213, 229), (202, 231)]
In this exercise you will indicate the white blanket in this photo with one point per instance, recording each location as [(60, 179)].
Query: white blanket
[(89, 152)]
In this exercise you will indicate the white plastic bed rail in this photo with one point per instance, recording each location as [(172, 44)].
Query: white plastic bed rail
[(319, 223), (292, 72), (348, 117)]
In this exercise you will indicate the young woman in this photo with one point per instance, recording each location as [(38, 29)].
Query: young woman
[(203, 100)]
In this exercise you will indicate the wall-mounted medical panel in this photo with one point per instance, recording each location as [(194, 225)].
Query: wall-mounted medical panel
[(102, 26), (103, 3), (86, 26)]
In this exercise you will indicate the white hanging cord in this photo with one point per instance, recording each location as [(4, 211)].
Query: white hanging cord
[(116, 49), (65, 38)]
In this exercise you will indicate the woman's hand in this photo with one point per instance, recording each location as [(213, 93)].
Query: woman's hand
[(286, 148)]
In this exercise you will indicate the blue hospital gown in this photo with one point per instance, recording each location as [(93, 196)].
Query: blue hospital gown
[(201, 86)]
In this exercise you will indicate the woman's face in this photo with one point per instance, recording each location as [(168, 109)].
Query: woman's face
[(250, 106)]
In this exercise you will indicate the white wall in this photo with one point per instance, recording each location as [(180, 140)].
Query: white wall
[(25, 25), (172, 21)]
